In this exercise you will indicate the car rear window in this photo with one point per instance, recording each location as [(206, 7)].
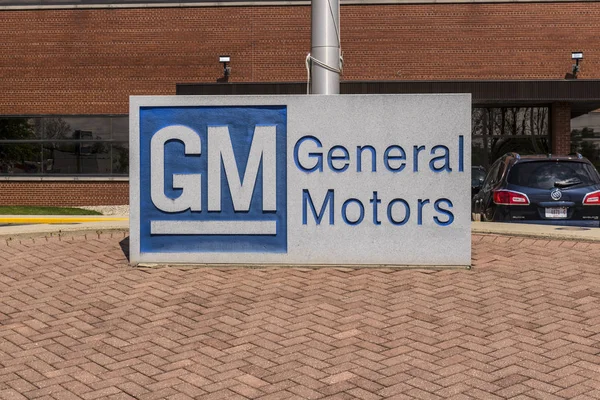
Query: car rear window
[(549, 174)]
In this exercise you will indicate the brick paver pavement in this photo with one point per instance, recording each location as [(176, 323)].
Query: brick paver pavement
[(78, 323)]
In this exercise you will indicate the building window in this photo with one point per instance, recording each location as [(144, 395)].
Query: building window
[(64, 145), (585, 136), (500, 130)]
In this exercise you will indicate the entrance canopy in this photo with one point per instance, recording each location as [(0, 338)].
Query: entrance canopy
[(583, 95)]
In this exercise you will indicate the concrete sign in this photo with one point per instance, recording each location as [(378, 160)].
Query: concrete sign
[(301, 180)]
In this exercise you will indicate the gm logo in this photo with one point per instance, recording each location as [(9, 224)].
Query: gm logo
[(216, 180)]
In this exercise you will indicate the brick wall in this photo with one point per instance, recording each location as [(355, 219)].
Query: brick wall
[(89, 61), (560, 127), (64, 193)]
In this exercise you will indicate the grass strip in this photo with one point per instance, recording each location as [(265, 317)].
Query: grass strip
[(34, 210)]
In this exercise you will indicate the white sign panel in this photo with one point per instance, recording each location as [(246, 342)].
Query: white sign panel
[(301, 180)]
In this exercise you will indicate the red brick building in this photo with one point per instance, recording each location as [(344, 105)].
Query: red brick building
[(67, 69)]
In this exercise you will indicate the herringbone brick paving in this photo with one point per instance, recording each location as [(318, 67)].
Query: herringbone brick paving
[(77, 322)]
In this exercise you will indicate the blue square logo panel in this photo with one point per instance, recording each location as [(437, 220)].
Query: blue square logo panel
[(216, 179)]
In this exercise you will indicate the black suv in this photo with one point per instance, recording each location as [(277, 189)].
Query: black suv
[(546, 189)]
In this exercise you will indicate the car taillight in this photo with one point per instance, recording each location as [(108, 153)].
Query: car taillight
[(508, 197), (592, 199)]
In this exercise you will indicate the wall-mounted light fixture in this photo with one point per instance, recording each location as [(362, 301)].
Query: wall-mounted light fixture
[(226, 70), (577, 56)]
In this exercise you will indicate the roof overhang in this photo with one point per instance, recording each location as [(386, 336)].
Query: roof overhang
[(582, 94)]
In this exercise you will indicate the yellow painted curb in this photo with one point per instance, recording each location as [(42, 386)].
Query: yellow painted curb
[(57, 220)]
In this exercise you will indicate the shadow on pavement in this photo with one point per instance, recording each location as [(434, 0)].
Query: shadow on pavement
[(125, 247)]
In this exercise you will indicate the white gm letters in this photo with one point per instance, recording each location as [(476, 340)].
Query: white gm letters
[(190, 183)]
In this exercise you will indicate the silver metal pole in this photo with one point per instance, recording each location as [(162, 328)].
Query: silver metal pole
[(325, 47)]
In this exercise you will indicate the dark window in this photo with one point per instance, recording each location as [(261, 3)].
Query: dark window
[(549, 174), (586, 140), (500, 130), (64, 145), (20, 158)]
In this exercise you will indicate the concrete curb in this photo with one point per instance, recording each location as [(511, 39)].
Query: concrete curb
[(552, 232), (42, 225), (58, 219), (40, 230)]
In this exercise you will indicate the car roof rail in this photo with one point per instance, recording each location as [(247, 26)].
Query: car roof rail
[(513, 154), (578, 155)]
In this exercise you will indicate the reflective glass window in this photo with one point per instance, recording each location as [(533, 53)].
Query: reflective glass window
[(75, 158), (500, 130), (120, 158), (20, 158), (64, 145), (120, 128), (585, 137), (79, 128), (21, 128)]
